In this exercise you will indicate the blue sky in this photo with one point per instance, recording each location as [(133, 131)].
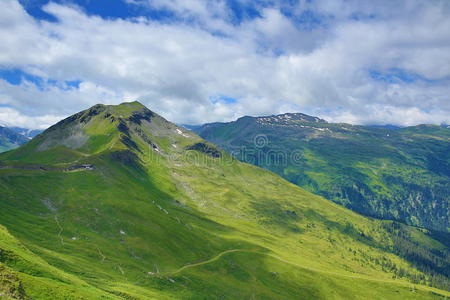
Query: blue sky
[(196, 61), (111, 9), (115, 9)]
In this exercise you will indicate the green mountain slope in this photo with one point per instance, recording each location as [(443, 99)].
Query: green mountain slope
[(10, 139), (117, 203), (401, 174)]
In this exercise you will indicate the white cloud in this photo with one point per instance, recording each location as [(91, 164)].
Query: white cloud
[(11, 117), (271, 63)]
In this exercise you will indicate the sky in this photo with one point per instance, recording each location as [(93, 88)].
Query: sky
[(199, 61)]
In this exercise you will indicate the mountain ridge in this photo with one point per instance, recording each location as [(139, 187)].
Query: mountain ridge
[(13, 137), (310, 118), (161, 211), (9, 139), (351, 164)]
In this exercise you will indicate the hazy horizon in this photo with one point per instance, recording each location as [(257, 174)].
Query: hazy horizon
[(202, 61)]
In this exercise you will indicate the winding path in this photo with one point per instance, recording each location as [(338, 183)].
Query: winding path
[(207, 261), (218, 256), (60, 230), (36, 167)]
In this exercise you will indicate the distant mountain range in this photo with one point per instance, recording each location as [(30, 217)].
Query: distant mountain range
[(386, 172), (387, 126), (29, 133), (13, 137), (115, 202), (10, 139)]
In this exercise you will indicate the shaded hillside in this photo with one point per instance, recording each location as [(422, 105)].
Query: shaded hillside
[(399, 174), (158, 213)]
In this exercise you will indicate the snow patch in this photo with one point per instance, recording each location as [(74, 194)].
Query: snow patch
[(181, 132)]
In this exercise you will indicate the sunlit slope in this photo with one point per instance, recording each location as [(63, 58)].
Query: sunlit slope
[(111, 203), (24, 274)]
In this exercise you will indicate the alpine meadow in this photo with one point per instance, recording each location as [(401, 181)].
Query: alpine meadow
[(116, 202), (224, 150), (398, 174)]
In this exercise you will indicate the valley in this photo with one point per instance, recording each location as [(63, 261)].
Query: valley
[(398, 174), (159, 213)]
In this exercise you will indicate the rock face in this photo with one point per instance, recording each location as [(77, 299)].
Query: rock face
[(129, 126), (398, 174), (205, 148), (113, 203)]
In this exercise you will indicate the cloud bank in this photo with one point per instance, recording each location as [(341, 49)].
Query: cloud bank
[(197, 61)]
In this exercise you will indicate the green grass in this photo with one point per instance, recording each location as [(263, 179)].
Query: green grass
[(178, 224), (390, 174)]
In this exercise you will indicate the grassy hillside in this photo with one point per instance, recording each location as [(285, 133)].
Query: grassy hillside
[(397, 174), (117, 203)]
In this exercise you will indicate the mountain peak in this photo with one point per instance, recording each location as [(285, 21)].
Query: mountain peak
[(288, 118), (126, 126), (124, 109), (127, 107)]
